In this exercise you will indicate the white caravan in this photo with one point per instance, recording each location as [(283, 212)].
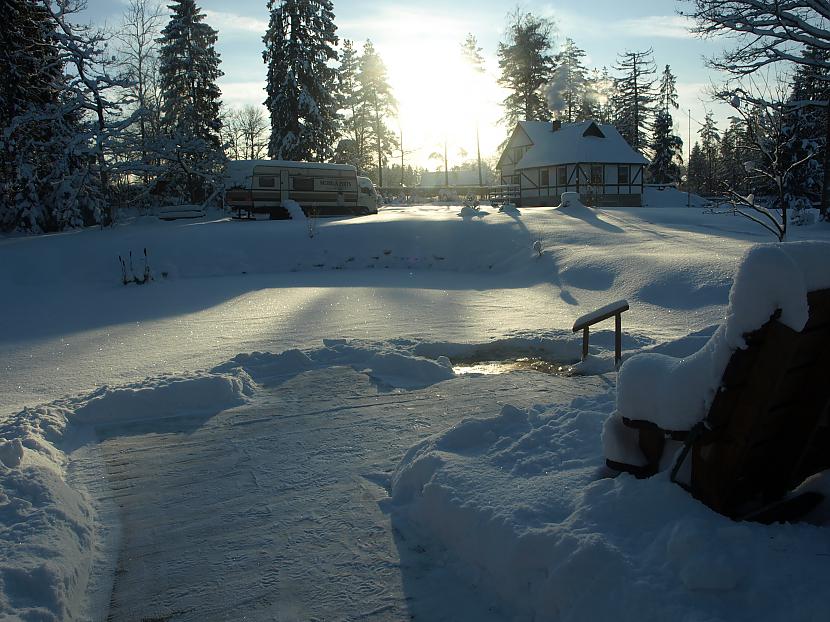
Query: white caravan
[(264, 187)]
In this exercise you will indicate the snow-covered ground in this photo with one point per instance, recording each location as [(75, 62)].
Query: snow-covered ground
[(276, 427)]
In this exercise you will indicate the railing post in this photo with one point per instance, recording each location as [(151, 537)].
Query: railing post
[(614, 309), (584, 343)]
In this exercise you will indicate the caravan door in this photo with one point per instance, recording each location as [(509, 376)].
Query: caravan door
[(284, 190)]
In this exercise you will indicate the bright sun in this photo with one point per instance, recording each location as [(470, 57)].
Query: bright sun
[(440, 96)]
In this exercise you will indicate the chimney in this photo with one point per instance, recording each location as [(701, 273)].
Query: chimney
[(556, 125)]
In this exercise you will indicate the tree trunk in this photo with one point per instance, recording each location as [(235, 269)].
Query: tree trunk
[(825, 188), (478, 155)]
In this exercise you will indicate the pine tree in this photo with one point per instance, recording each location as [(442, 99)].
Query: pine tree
[(568, 89), (191, 149), (299, 45), (696, 172), (710, 146), (353, 148), (635, 97), (31, 81), (666, 147), (526, 66), (805, 128), (380, 103)]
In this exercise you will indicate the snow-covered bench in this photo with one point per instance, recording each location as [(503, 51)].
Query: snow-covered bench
[(745, 419)]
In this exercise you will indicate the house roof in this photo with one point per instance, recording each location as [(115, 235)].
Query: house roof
[(586, 141)]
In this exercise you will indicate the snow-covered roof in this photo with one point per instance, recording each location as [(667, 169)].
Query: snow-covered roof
[(574, 143)]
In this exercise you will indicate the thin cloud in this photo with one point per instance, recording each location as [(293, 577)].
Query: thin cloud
[(666, 26), (226, 22)]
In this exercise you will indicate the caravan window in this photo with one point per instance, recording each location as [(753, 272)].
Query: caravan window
[(267, 181), (304, 183)]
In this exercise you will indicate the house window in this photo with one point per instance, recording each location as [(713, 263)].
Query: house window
[(266, 181), (544, 177), (561, 175), (623, 175), (597, 178), (518, 152)]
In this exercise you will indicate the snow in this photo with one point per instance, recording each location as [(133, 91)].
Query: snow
[(590, 318), (676, 393), (273, 427), (294, 210), (568, 145)]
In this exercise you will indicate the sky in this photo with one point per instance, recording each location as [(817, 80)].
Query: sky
[(438, 96)]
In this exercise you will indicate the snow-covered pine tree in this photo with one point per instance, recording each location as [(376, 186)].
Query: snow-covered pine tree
[(635, 97), (568, 87), (526, 65), (56, 124), (805, 128), (299, 45), (380, 104), (666, 146), (190, 150), (31, 81)]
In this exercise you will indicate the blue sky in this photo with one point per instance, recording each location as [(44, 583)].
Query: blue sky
[(420, 40)]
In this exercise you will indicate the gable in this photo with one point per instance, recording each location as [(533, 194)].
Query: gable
[(518, 138)]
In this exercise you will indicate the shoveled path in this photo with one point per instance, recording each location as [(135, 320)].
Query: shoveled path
[(274, 510)]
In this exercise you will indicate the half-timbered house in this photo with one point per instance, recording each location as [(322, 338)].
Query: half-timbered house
[(546, 159)]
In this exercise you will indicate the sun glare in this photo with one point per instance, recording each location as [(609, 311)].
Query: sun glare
[(441, 97)]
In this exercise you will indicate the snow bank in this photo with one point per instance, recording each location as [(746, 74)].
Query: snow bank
[(381, 362), (47, 540), (515, 501), (676, 393), (164, 396), (294, 210)]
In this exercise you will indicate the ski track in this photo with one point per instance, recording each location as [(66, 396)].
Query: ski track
[(265, 511)]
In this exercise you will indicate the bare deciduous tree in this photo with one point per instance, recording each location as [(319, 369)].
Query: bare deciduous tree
[(768, 32), (138, 34)]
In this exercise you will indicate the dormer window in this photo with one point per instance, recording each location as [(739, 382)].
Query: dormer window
[(593, 130)]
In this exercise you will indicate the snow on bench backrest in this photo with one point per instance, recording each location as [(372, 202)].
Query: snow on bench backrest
[(677, 393)]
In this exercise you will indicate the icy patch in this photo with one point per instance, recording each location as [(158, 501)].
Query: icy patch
[(515, 501), (560, 348)]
